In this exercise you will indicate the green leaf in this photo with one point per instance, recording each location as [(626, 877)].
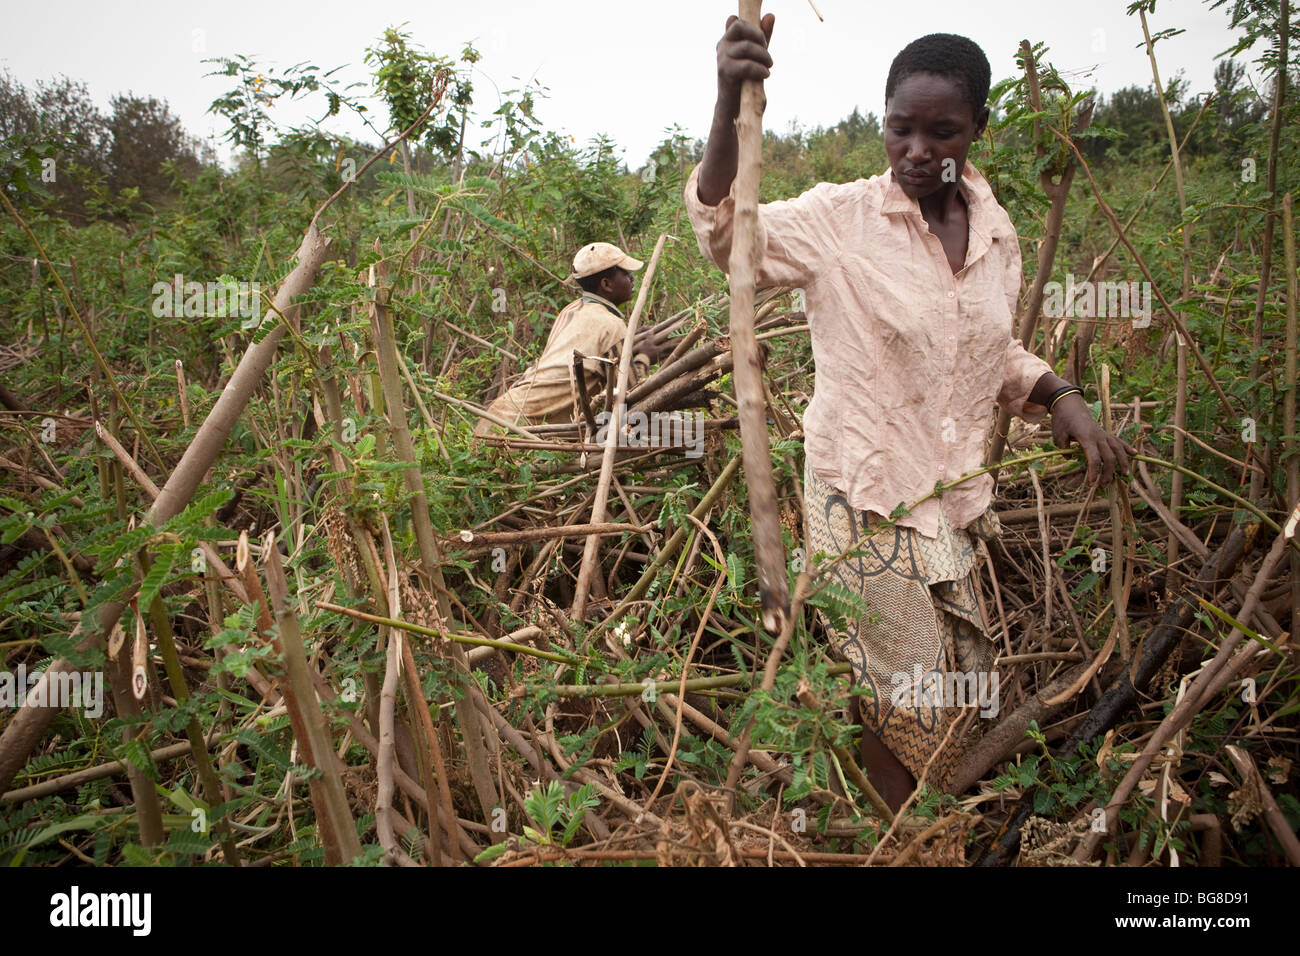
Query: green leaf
[(136, 855), (138, 756), (492, 852), (87, 821), (153, 581), (1043, 801), (1028, 771)]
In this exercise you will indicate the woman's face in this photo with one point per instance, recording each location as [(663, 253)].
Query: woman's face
[(928, 132)]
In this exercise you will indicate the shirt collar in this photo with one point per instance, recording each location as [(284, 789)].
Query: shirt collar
[(979, 197), (987, 220), (601, 300)]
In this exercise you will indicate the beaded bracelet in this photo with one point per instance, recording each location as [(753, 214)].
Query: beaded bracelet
[(1060, 393)]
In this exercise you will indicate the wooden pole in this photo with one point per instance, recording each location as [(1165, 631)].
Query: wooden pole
[(769, 550)]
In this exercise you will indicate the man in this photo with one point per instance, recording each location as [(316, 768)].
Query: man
[(592, 325)]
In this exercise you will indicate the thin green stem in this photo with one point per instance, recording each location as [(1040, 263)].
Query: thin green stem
[(458, 638), (1244, 503)]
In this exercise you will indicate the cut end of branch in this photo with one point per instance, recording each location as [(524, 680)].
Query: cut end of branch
[(241, 552), (775, 617)]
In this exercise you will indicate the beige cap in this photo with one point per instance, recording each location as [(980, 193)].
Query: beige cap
[(599, 256)]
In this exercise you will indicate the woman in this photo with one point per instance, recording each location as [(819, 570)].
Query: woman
[(910, 280)]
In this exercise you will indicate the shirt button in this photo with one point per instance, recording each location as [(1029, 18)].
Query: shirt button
[(941, 469), (951, 294), (952, 338)]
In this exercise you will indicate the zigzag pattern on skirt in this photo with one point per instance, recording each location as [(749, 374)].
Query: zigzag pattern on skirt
[(923, 620)]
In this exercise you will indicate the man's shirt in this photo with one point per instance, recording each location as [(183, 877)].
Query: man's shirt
[(910, 358), (591, 325)]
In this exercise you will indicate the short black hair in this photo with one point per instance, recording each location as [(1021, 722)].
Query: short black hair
[(591, 283), (944, 54)]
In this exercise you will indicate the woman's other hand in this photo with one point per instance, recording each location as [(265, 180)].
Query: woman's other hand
[(1072, 421)]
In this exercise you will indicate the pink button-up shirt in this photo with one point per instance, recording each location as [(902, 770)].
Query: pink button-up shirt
[(910, 357)]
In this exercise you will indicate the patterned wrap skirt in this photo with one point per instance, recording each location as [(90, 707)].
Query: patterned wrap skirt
[(923, 623)]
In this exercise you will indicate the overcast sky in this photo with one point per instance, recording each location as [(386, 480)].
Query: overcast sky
[(626, 70)]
